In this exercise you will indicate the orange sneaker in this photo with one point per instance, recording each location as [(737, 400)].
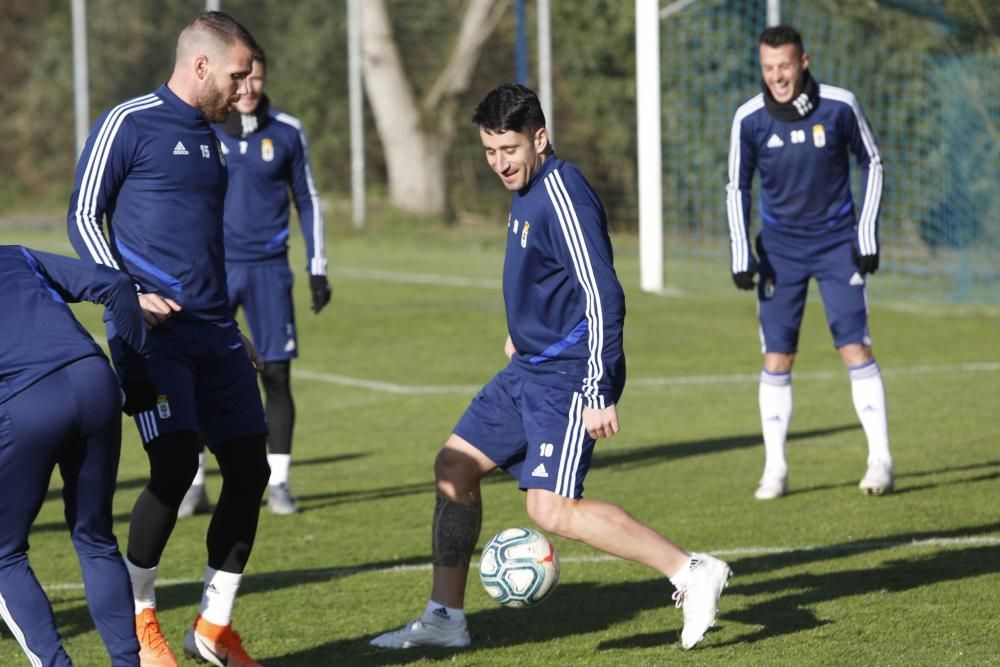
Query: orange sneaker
[(218, 645), (154, 651)]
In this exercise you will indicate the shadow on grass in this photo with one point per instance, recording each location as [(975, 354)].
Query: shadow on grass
[(575, 609), (906, 487), (631, 458), (788, 614), (778, 561)]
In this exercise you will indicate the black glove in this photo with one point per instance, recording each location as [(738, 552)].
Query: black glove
[(744, 279), (321, 292), (140, 393), (865, 263)]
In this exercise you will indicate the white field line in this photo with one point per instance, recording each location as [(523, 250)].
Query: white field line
[(339, 572), (451, 280), (681, 380)]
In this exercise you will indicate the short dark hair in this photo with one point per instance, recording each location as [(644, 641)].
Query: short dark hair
[(227, 30), (510, 107), (779, 35)]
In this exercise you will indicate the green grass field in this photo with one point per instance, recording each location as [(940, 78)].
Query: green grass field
[(825, 576)]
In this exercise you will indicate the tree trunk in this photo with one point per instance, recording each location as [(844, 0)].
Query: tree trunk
[(416, 137)]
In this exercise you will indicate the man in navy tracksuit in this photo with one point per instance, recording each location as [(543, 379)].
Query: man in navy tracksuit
[(152, 166), (266, 154), (798, 134), (539, 417), (59, 405)]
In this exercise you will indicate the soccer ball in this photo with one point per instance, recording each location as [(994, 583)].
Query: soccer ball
[(519, 567)]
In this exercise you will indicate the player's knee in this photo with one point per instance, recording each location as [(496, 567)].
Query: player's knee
[(276, 379), (550, 512), (243, 463), (452, 466), (173, 462)]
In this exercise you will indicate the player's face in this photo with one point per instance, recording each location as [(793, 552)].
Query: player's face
[(514, 156), (226, 82), (783, 69), (255, 88)]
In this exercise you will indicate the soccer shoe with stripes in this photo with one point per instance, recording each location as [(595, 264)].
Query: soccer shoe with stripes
[(280, 499), (153, 648), (771, 487), (878, 479), (424, 633), (699, 595), (217, 645), (195, 501)]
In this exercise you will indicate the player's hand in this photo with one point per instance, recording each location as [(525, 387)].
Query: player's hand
[(744, 280), (253, 354), (156, 309), (865, 263), (601, 422), (139, 393), (321, 292), (509, 349)]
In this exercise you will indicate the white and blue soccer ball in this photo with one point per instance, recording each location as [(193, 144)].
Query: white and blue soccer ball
[(519, 567)]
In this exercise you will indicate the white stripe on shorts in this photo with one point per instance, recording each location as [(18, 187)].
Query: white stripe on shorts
[(572, 449)]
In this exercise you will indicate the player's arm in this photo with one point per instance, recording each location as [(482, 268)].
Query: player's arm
[(865, 148), (742, 162), (582, 245), (100, 173), (311, 218), (78, 280)]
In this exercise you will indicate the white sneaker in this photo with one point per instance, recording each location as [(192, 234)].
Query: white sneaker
[(280, 499), (771, 487), (878, 479), (424, 633), (195, 501), (699, 596)]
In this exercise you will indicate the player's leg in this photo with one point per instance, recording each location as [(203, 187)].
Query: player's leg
[(173, 459), (557, 458), (169, 434), (280, 410), (270, 315), (89, 468), (846, 302), (232, 419), (493, 422), (34, 425), (458, 512), (781, 299)]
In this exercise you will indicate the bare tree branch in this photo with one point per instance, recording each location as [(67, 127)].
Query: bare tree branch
[(481, 18)]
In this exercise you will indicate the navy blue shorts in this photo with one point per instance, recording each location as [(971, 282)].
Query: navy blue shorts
[(785, 269), (533, 431), (265, 292), (205, 382)]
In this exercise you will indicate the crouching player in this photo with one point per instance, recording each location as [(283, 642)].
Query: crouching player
[(59, 405)]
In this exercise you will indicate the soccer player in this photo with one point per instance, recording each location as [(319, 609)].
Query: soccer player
[(153, 167), (798, 134), (266, 153), (539, 417), (59, 405)]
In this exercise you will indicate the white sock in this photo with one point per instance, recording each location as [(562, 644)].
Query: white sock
[(446, 617), (218, 596), (199, 477), (143, 586), (680, 578), (279, 468), (775, 397), (868, 394)]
